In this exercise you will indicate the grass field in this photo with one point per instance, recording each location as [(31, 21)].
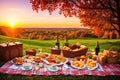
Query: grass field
[(46, 44)]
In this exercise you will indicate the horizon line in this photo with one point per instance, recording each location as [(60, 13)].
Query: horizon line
[(47, 27)]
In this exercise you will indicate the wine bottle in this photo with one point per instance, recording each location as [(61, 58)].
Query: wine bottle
[(66, 41), (97, 48), (57, 43)]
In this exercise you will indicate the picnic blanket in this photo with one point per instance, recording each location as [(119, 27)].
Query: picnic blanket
[(109, 69)]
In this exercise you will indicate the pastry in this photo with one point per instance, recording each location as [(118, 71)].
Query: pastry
[(18, 60), (94, 57), (91, 63)]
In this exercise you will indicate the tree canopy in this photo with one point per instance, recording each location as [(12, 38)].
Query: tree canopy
[(100, 15)]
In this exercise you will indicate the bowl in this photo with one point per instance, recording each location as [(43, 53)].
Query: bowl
[(27, 66), (53, 68)]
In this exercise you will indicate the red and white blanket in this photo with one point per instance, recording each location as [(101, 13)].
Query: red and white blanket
[(109, 69)]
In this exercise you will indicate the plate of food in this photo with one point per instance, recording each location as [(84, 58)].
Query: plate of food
[(78, 64), (56, 59), (38, 60), (53, 68), (18, 60), (83, 58), (42, 55), (91, 64), (91, 55)]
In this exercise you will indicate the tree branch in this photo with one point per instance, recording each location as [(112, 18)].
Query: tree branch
[(114, 22), (118, 11), (103, 4), (114, 27), (110, 6), (81, 7)]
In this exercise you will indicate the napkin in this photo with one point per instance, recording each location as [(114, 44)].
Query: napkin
[(15, 66)]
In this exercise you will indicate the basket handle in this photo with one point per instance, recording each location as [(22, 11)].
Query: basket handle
[(11, 41)]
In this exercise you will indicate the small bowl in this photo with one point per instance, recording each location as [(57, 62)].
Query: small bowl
[(53, 68), (26, 66)]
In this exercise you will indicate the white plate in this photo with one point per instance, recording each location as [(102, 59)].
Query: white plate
[(54, 63), (79, 67), (14, 63), (26, 69), (61, 63), (93, 67), (53, 70), (15, 66)]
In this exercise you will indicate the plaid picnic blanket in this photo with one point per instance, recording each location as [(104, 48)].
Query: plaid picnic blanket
[(109, 69)]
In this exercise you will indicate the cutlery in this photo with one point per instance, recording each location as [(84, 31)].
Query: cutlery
[(100, 67)]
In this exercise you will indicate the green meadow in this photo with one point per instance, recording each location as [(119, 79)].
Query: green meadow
[(46, 44)]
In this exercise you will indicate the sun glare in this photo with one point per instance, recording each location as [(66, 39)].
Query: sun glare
[(12, 24)]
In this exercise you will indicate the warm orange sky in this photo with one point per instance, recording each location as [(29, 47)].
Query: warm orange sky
[(19, 13)]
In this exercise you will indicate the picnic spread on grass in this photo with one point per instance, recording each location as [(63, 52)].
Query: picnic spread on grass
[(69, 60)]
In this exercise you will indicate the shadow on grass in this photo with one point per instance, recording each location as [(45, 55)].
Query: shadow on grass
[(108, 45), (59, 77), (117, 43)]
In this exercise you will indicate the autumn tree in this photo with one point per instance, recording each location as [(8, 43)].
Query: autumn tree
[(104, 14)]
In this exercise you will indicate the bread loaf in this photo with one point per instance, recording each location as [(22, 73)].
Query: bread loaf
[(102, 58)]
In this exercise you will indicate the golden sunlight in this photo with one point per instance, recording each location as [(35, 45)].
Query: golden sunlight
[(12, 24)]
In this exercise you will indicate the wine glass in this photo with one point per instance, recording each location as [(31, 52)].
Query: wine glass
[(40, 50), (92, 50)]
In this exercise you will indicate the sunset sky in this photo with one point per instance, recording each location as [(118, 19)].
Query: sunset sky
[(19, 13)]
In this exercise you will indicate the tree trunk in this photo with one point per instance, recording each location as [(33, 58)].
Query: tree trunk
[(118, 8)]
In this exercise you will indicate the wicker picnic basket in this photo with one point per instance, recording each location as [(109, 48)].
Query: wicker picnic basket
[(112, 57), (74, 53), (31, 51), (55, 51), (10, 50)]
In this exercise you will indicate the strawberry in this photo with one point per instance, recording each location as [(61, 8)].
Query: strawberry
[(52, 60)]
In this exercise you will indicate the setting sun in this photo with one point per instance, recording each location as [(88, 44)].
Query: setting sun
[(12, 24)]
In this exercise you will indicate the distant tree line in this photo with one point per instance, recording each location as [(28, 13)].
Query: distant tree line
[(2, 32), (47, 34), (72, 34)]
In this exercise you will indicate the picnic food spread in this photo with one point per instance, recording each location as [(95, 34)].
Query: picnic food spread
[(75, 60)]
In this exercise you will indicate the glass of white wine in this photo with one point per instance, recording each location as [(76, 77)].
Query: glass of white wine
[(40, 50), (92, 50)]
